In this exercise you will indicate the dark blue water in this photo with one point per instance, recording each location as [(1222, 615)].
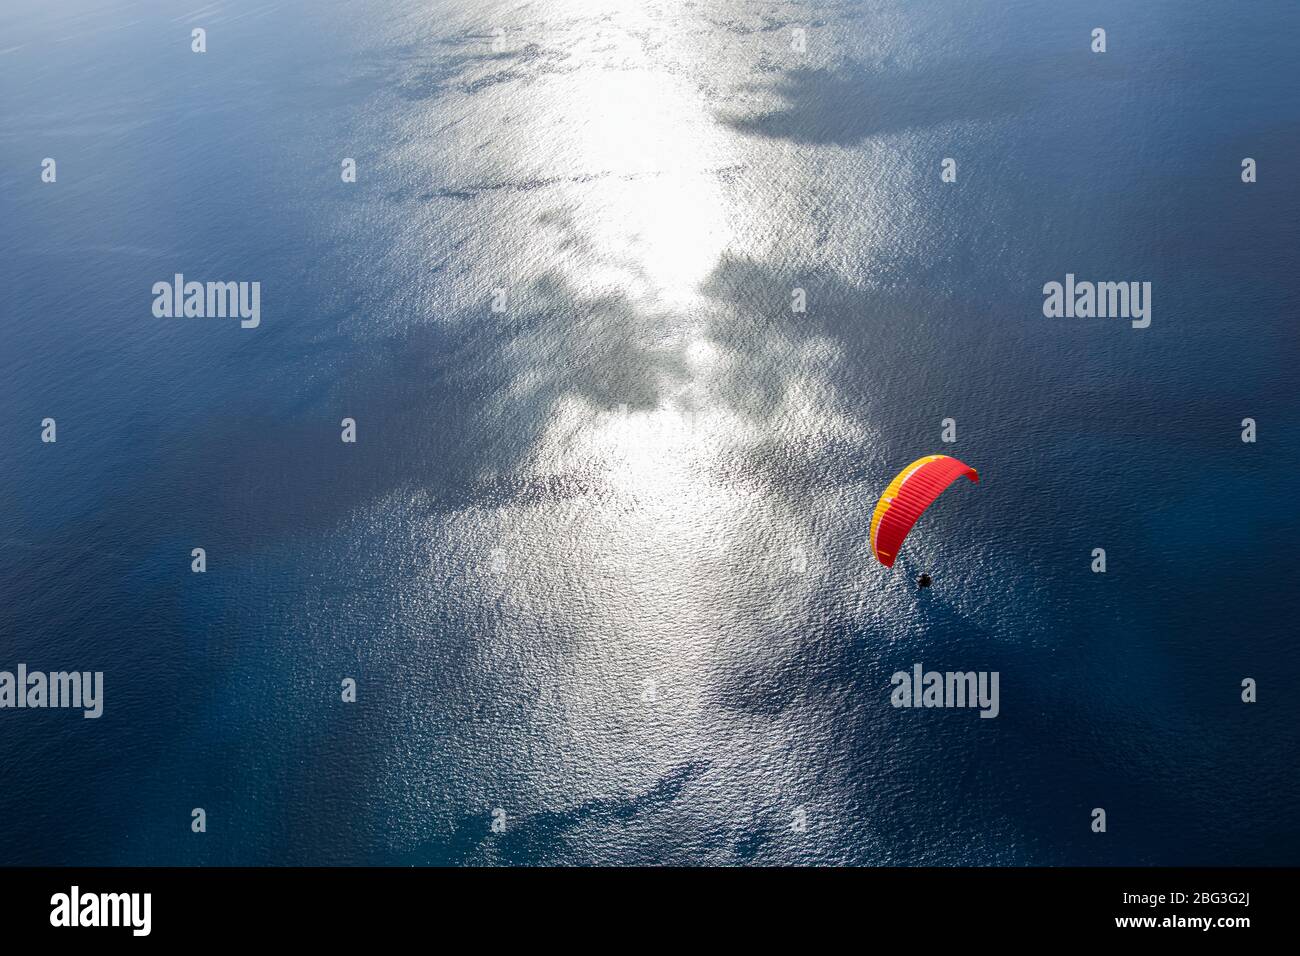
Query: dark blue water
[(600, 560)]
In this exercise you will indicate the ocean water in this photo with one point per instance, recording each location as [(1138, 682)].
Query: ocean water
[(599, 561)]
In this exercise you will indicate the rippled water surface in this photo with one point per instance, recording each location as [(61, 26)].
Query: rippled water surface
[(600, 559)]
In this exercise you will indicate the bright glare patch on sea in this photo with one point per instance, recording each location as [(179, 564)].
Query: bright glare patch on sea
[(677, 551)]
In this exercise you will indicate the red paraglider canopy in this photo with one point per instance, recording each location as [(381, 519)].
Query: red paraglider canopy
[(909, 494)]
